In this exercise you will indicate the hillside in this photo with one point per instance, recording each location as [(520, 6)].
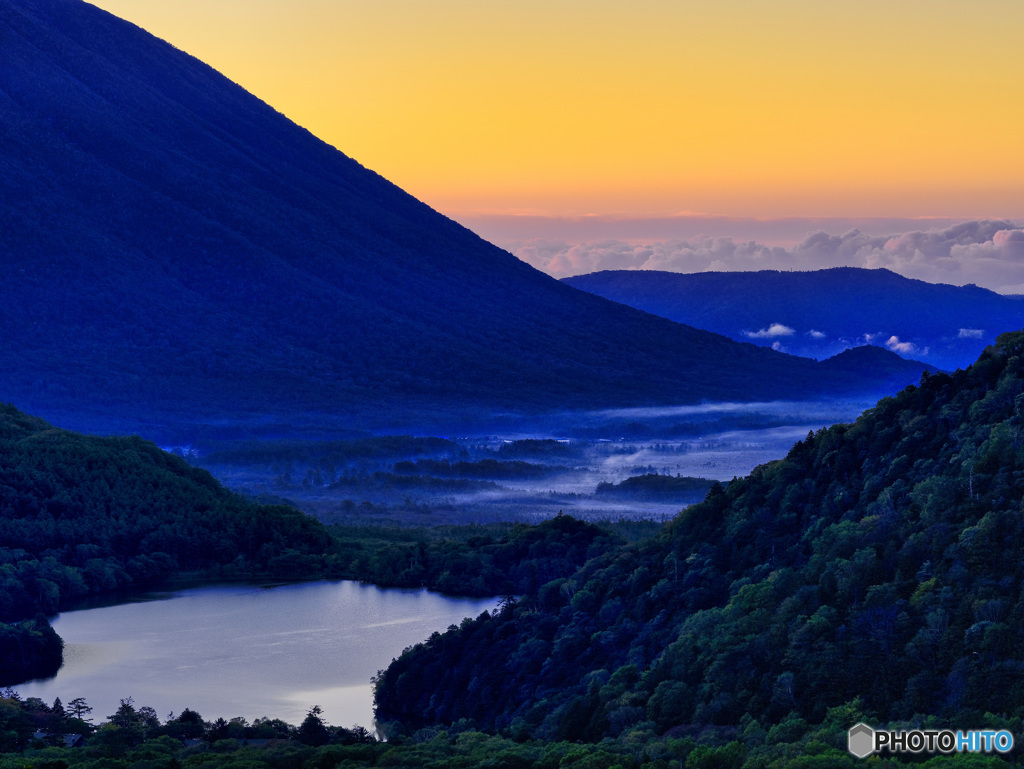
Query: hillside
[(82, 515), (176, 252), (876, 362), (873, 573), (825, 311)]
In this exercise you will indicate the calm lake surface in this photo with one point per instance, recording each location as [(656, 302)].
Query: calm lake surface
[(247, 651)]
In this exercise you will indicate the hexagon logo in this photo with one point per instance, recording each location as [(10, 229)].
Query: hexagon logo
[(860, 740)]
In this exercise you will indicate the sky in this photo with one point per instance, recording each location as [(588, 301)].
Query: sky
[(644, 122)]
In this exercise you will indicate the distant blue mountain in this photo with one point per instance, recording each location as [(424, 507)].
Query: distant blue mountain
[(175, 252), (818, 314)]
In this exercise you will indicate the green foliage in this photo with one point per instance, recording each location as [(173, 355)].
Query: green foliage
[(140, 741), (82, 514), (471, 560), (654, 486), (313, 730), (28, 649), (876, 568)]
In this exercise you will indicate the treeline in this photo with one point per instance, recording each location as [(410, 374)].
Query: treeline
[(34, 734), (330, 453), (539, 448), (392, 461), (474, 561), (31, 726), (876, 568), (657, 486)]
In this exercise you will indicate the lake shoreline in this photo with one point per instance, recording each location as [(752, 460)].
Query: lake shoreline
[(247, 650)]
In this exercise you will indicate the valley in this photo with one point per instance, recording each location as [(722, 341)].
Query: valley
[(879, 537), (531, 471)]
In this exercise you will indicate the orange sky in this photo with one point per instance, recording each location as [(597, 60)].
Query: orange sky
[(646, 107)]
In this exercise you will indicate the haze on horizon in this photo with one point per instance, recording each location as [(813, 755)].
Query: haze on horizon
[(572, 132)]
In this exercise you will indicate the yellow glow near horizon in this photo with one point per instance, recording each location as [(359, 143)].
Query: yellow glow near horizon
[(647, 107)]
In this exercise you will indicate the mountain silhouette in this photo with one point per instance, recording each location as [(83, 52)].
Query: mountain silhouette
[(175, 251), (824, 311)]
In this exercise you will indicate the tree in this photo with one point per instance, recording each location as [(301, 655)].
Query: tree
[(188, 725), (125, 715), (79, 709), (57, 722), (313, 731)]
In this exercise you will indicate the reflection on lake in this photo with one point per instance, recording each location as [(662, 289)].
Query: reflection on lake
[(245, 650)]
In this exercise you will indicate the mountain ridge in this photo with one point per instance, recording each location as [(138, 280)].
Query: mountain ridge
[(818, 313)]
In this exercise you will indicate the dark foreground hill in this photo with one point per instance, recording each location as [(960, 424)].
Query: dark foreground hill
[(875, 573), (817, 314), (173, 249)]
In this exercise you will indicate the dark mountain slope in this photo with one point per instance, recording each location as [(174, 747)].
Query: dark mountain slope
[(948, 326), (171, 244), (877, 567)]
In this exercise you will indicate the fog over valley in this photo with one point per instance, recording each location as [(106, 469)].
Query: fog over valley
[(521, 473)]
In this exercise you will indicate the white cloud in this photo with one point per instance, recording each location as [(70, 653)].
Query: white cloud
[(816, 334), (988, 253), (903, 348), (774, 330), (971, 333), (561, 259)]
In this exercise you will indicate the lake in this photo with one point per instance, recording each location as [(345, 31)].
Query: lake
[(249, 651)]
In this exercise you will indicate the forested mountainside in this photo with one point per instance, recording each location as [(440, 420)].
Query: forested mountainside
[(876, 569), (82, 515), (819, 313), (174, 251)]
